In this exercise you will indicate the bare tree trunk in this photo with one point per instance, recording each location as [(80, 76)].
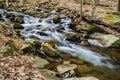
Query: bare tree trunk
[(118, 5), (94, 7), (7, 3), (81, 8), (84, 1)]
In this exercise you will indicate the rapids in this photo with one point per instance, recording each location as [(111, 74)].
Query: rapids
[(46, 30)]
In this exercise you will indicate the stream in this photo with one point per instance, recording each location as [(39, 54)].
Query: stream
[(46, 30)]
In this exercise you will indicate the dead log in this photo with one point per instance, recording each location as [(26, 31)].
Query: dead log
[(111, 29)]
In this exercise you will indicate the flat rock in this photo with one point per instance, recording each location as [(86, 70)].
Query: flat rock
[(107, 40), (83, 78), (40, 63), (66, 67)]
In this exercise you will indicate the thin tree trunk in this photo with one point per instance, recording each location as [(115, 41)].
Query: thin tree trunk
[(94, 7), (118, 5), (81, 8), (7, 3)]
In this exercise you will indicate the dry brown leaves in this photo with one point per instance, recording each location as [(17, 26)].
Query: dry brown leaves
[(18, 68)]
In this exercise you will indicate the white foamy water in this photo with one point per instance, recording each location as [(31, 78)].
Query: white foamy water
[(45, 30)]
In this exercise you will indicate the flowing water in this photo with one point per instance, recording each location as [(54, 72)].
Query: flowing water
[(46, 30)]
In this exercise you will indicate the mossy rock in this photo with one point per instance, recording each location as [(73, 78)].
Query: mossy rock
[(27, 48), (19, 19), (107, 40), (112, 19), (18, 32), (49, 50), (7, 52), (17, 26), (10, 16), (57, 19), (13, 45), (40, 63), (79, 28)]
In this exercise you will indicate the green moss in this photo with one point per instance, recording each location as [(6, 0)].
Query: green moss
[(49, 50), (112, 19)]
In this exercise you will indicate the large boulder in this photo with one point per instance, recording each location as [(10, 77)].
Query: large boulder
[(107, 40)]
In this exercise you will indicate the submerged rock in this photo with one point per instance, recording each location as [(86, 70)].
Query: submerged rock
[(67, 70), (107, 40), (77, 61), (49, 50), (82, 78), (83, 69)]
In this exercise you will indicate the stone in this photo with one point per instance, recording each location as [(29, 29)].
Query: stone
[(10, 16), (6, 52), (13, 45), (17, 26), (35, 43), (74, 37), (83, 69), (19, 19), (15, 18), (88, 28), (82, 78), (107, 40), (79, 28), (67, 70), (0, 16), (57, 19), (77, 61), (48, 72), (112, 19), (18, 32), (27, 48), (49, 75), (49, 50), (40, 63)]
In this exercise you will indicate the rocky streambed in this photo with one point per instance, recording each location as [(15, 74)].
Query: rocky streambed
[(68, 52)]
